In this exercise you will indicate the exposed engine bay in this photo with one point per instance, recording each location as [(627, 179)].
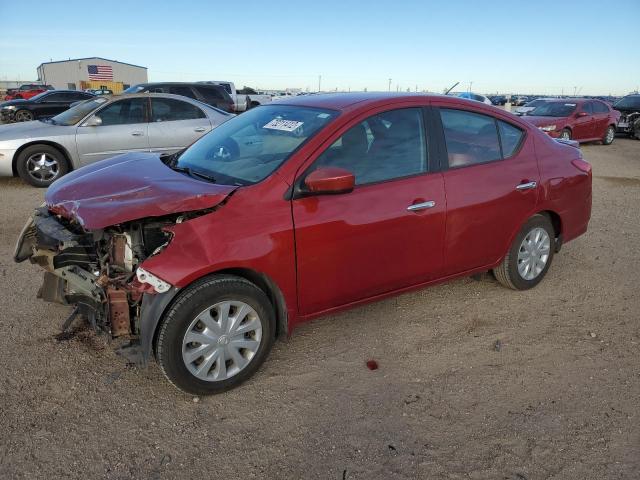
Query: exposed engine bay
[(629, 123), (96, 271)]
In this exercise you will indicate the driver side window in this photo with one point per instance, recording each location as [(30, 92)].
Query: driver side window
[(124, 112), (383, 147)]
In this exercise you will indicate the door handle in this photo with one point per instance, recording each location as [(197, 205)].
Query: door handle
[(199, 129), (526, 186), (421, 206), (137, 133)]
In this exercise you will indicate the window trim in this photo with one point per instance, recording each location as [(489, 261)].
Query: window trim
[(298, 190), (444, 160)]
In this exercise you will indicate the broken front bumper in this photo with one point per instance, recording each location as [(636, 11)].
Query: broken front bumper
[(74, 276)]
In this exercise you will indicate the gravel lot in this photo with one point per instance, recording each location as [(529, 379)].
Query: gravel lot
[(557, 398)]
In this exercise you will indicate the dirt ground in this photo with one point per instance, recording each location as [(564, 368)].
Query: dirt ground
[(475, 381)]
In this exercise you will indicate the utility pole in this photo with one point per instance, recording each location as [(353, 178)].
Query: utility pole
[(389, 84), (319, 83), (470, 83)]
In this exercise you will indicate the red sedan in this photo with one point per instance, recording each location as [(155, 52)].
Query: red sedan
[(298, 209), (583, 120)]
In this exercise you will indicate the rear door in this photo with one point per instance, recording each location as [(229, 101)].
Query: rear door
[(601, 119), (491, 180), (585, 122), (175, 124), (388, 232), (124, 129)]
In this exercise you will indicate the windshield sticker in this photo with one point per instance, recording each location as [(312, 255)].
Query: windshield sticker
[(569, 104), (323, 115), (283, 125)]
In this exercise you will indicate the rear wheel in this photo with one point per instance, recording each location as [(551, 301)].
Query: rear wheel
[(23, 116), (41, 165), (529, 256), (609, 135), (565, 134), (216, 335)]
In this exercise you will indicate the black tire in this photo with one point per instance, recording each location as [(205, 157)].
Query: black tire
[(52, 153), (23, 116), (565, 133), (635, 131), (507, 272), (190, 303), (608, 135)]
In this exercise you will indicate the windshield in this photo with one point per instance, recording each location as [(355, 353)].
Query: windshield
[(632, 101), (77, 113), (134, 89), (247, 148), (553, 109)]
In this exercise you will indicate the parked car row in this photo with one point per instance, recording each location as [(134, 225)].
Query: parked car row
[(202, 259)]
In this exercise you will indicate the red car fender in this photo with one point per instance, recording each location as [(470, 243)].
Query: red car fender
[(236, 238)]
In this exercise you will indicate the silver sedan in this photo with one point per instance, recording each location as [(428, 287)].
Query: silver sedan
[(43, 150)]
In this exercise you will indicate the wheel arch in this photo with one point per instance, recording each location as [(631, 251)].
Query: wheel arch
[(49, 143), (261, 280)]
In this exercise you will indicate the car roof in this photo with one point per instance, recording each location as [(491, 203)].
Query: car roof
[(344, 101)]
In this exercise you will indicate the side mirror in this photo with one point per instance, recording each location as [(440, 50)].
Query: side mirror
[(330, 181), (94, 121)]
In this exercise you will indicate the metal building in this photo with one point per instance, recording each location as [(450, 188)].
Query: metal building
[(92, 72)]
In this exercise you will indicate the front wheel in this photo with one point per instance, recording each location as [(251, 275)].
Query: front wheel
[(529, 257), (565, 134), (609, 135), (40, 165), (23, 116), (216, 335)]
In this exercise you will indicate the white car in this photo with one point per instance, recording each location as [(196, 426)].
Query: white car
[(530, 106), (243, 99), (474, 96)]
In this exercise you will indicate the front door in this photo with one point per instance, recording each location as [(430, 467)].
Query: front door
[(385, 235), (123, 129), (491, 185), (175, 124)]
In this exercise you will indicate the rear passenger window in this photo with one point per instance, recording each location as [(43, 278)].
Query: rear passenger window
[(383, 147), (599, 107), (471, 138), (181, 90), (510, 138), (210, 95), (169, 109)]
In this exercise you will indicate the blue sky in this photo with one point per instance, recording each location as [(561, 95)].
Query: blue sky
[(501, 46)]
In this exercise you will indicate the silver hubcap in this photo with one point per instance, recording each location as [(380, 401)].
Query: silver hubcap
[(533, 253), (42, 167), (23, 117), (610, 135), (565, 135), (221, 341)]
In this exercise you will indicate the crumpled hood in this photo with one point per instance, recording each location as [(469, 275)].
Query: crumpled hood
[(129, 187), (542, 121), (16, 101)]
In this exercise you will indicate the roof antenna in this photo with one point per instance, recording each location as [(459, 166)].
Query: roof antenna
[(452, 87)]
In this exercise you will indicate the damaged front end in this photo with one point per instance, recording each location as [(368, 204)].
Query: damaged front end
[(98, 271)]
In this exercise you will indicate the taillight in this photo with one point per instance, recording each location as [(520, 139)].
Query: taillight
[(582, 165)]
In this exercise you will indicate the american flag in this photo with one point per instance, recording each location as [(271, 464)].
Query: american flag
[(100, 72)]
